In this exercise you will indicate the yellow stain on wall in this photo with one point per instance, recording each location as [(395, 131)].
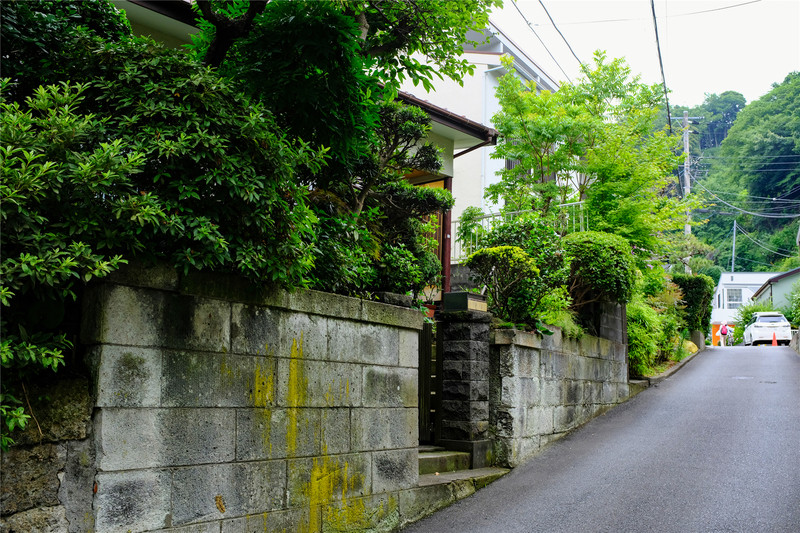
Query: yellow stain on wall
[(329, 477), (263, 386), (297, 393)]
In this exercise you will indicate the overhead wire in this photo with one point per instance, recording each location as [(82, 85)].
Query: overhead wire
[(761, 245), (541, 41), (762, 215), (661, 63)]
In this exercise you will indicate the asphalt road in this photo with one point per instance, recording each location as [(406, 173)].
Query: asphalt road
[(715, 447)]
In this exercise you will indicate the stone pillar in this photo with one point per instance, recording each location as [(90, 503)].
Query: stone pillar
[(464, 413)]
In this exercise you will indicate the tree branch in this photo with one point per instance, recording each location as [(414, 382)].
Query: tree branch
[(227, 30)]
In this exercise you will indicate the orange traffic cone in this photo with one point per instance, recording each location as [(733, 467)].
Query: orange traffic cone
[(774, 339)]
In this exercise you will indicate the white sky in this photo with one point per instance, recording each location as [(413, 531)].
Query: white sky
[(735, 45)]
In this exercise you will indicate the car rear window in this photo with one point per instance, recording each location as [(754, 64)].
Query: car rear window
[(771, 319)]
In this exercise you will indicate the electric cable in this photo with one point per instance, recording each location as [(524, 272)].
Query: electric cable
[(761, 245), (661, 63), (541, 41), (762, 215)]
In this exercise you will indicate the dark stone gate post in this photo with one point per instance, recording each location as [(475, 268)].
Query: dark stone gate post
[(464, 414)]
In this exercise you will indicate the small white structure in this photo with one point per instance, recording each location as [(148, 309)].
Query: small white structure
[(734, 290), (776, 290)]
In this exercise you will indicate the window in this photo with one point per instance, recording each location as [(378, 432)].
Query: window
[(734, 298)]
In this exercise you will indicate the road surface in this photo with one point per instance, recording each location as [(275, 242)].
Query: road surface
[(713, 448)]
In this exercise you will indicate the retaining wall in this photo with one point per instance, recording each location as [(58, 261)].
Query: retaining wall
[(545, 386), (220, 408)]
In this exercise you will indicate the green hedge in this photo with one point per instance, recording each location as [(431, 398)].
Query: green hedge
[(698, 292), (602, 268)]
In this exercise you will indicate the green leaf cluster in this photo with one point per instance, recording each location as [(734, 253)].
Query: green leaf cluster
[(602, 268), (505, 271), (592, 141), (698, 293)]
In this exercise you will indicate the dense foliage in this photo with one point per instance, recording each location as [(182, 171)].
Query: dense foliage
[(506, 271), (698, 293), (592, 140), (753, 177), (601, 268)]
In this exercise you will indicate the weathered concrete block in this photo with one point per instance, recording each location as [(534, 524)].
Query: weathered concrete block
[(133, 501), (465, 351), (423, 501), (320, 480), (205, 527), (389, 387), (384, 429), (30, 477), (306, 335), (466, 331), (144, 317), (304, 383), (516, 337), (408, 340), (552, 392), (335, 438), (277, 433), (275, 521), (201, 379), (255, 330), (564, 418), (77, 483), (390, 315), (395, 470), (355, 342), (131, 439), (212, 492), (377, 513), (127, 376)]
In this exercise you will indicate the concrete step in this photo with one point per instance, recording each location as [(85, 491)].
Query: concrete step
[(443, 461), (478, 478), (429, 448)]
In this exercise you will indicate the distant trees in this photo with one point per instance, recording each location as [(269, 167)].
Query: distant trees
[(754, 178)]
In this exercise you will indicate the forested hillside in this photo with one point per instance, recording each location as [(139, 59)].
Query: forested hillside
[(745, 161)]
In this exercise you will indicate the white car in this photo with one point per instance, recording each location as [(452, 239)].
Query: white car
[(764, 325)]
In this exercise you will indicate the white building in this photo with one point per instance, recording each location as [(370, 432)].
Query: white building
[(734, 290), (474, 170)]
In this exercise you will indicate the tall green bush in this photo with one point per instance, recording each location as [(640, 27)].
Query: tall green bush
[(698, 293), (506, 271), (601, 268), (644, 332)]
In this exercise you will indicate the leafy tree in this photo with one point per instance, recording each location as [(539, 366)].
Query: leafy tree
[(763, 146), (593, 139), (389, 34)]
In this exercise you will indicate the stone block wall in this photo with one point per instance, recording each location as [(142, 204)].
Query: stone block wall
[(544, 386), (220, 408)]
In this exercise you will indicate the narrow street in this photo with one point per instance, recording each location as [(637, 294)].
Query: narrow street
[(715, 447)]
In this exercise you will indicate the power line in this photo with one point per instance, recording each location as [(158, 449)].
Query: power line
[(541, 41), (559, 32), (661, 63), (763, 215), (665, 17), (761, 245)]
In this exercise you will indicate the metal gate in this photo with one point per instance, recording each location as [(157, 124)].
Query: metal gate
[(429, 382)]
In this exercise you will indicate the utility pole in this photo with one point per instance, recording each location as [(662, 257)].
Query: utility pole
[(687, 184), (733, 253)]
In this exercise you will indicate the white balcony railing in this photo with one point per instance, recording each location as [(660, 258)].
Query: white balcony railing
[(575, 219)]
